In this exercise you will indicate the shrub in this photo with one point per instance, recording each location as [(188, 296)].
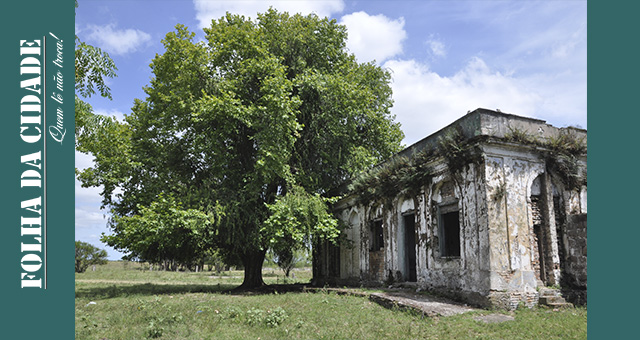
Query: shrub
[(87, 255)]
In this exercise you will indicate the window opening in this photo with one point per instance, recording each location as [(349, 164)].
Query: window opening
[(376, 236), (449, 232)]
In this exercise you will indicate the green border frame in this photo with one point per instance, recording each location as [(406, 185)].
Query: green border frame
[(613, 123), (34, 313)]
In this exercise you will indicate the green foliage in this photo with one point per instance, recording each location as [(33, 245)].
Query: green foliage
[(275, 317), (154, 330), (102, 136), (164, 233), (87, 255), (567, 142), (254, 316), (561, 152), (520, 136), (270, 318), (92, 67), (308, 315), (297, 219), (456, 152), (288, 258), (238, 121), (389, 179), (384, 182)]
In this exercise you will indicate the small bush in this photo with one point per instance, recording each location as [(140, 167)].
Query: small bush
[(154, 330), (275, 317), (232, 312), (270, 318), (255, 316)]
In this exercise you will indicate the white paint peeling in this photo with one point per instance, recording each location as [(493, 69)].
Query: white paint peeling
[(501, 250)]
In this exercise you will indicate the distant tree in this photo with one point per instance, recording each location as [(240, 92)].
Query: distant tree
[(87, 255), (258, 111), (288, 258), (164, 233), (295, 221)]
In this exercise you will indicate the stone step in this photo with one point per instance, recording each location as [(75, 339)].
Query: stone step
[(560, 305), (552, 298), (547, 300), (549, 292)]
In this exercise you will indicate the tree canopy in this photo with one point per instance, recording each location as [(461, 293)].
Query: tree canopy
[(262, 118)]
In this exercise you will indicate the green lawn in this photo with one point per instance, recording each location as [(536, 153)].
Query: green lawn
[(120, 301)]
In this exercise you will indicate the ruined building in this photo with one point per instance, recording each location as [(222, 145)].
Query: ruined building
[(489, 210)]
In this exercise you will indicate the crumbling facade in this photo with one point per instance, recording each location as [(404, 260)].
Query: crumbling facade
[(489, 210)]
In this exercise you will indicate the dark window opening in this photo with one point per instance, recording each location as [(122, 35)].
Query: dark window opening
[(376, 237), (450, 234)]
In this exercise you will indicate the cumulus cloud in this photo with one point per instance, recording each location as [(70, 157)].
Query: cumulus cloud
[(118, 41), (426, 102), (208, 10), (374, 37)]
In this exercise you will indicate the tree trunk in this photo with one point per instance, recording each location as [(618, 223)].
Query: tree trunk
[(253, 270)]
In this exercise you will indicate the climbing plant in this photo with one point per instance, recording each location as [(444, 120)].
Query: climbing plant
[(384, 182), (456, 151), (561, 153), (388, 180)]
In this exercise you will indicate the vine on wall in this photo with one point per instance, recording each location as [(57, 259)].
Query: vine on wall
[(561, 154)]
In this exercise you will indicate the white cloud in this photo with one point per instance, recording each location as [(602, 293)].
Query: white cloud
[(117, 114), (83, 160), (374, 37), (118, 41), (426, 102), (571, 44), (436, 47), (208, 10), (87, 218)]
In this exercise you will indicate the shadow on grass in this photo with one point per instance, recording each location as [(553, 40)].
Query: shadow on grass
[(119, 290), (269, 289), (113, 290)]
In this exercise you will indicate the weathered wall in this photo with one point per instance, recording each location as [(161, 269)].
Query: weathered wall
[(466, 276), (510, 176), (350, 251), (519, 228), (575, 265)]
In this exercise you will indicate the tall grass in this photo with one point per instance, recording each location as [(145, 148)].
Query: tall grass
[(128, 302)]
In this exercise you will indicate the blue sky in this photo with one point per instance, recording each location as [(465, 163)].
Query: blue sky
[(446, 57)]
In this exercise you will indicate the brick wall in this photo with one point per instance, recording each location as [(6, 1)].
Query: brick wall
[(575, 265)]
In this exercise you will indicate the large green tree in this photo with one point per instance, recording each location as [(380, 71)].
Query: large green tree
[(259, 110)]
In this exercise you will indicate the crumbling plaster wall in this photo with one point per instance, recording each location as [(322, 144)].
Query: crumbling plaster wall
[(465, 276), (350, 250), (510, 176), (500, 258)]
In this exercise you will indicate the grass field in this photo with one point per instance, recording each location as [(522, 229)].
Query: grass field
[(126, 301)]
